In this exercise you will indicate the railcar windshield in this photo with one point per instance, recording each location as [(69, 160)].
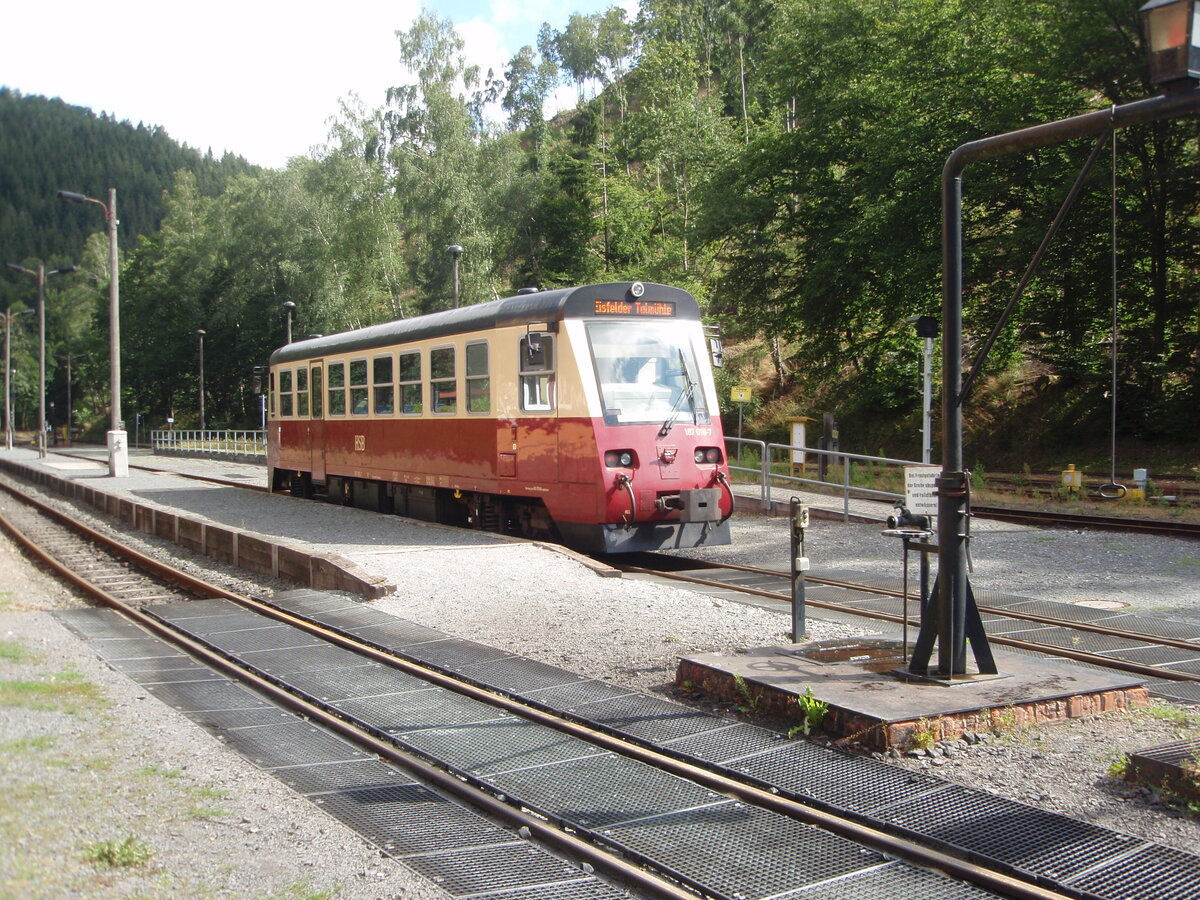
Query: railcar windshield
[(647, 372)]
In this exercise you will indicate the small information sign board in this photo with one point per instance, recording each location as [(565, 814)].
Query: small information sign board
[(920, 489), (740, 395)]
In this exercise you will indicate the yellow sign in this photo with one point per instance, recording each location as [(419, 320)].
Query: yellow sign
[(740, 395)]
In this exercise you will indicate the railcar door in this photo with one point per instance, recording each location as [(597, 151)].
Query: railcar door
[(316, 424), (536, 437)]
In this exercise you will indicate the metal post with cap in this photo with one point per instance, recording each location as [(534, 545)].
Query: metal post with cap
[(118, 445)]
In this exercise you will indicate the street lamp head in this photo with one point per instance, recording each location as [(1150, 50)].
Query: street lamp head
[(72, 197), (927, 326), (201, 332), (64, 270), (455, 250), (1172, 32), (289, 305)]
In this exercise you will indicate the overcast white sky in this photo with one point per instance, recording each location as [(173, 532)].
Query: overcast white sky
[(259, 78)]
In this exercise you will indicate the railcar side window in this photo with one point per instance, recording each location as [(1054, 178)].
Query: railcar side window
[(410, 383), (358, 387), (302, 391), (286, 399), (443, 384), (335, 374), (318, 394), (272, 393), (479, 382), (385, 390), (537, 372)]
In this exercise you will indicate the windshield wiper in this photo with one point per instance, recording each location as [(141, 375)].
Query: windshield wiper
[(687, 395)]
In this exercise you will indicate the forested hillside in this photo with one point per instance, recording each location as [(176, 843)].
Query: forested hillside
[(47, 146), (779, 158)]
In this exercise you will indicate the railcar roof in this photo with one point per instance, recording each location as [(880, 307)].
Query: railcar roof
[(544, 306)]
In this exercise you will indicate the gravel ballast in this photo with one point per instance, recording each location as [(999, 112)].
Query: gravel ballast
[(536, 602)]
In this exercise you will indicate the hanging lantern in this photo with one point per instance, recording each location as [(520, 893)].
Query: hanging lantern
[(1172, 31)]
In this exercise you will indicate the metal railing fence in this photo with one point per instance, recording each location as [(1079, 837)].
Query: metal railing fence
[(210, 443), (849, 474)]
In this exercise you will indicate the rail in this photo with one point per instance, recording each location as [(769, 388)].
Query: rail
[(252, 444), (787, 465)]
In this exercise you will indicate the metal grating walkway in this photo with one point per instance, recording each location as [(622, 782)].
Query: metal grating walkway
[(466, 854), (1023, 838), (701, 838)]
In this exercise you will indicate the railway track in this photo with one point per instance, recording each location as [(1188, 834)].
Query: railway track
[(660, 798), (1014, 623)]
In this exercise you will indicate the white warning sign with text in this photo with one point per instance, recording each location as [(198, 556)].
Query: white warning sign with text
[(920, 489)]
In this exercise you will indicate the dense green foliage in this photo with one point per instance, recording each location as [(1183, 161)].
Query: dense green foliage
[(47, 146), (782, 159)]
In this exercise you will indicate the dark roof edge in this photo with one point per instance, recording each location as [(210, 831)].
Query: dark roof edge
[(523, 309)]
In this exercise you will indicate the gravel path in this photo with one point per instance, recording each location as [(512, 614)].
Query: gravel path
[(534, 601)]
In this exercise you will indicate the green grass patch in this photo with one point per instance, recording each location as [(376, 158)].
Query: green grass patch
[(28, 745), (16, 652), (1168, 712), (8, 600), (155, 771), (63, 692), (123, 854), (1190, 561), (302, 890), (207, 812)]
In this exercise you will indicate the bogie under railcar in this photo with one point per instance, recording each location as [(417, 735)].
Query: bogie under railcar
[(584, 415)]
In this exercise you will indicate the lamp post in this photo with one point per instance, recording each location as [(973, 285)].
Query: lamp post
[(8, 423), (927, 328), (40, 275), (288, 308), (200, 332), (69, 358), (1172, 32), (455, 252), (118, 447)]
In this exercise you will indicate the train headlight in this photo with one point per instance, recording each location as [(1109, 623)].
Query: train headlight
[(707, 455), (618, 459)]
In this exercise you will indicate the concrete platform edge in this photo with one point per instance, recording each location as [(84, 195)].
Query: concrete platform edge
[(255, 553)]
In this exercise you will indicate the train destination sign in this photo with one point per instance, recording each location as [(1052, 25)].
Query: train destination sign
[(636, 308)]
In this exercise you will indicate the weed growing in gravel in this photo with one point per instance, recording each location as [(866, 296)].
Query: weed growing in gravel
[(15, 651), (813, 713), (1190, 561), (8, 600), (64, 692), (925, 734), (751, 705), (121, 854), (1119, 765)]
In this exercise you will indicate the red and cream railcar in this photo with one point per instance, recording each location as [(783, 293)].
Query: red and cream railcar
[(586, 415)]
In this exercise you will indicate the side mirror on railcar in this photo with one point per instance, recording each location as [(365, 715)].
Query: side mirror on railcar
[(717, 351), (256, 380), (538, 352)]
